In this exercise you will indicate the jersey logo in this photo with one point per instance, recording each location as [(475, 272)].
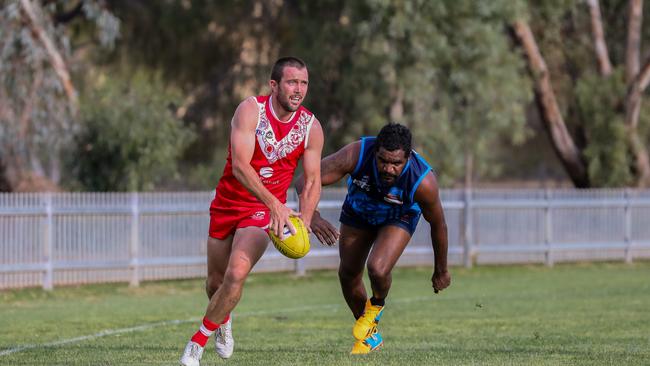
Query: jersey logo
[(394, 196), (273, 149), (259, 215), (362, 183), (266, 172)]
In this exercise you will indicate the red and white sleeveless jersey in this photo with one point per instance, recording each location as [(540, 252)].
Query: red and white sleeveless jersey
[(278, 147)]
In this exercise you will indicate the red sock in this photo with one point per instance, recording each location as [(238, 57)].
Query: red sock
[(205, 331)]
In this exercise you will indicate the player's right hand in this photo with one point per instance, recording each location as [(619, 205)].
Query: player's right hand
[(324, 230), (440, 280), (280, 218)]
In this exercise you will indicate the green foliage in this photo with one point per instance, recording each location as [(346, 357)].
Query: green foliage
[(433, 65), (130, 138), (446, 60), (446, 68), (215, 52), (593, 106), (607, 154), (205, 175), (36, 118)]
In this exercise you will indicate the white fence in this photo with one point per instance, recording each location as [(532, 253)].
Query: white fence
[(71, 238)]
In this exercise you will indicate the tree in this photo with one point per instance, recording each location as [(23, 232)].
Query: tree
[(545, 96), (431, 65), (611, 133), (38, 100), (129, 139), (434, 65)]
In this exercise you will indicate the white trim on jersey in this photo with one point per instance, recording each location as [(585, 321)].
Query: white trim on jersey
[(273, 149), (258, 115), (311, 122)]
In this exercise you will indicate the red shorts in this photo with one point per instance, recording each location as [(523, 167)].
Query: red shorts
[(224, 221)]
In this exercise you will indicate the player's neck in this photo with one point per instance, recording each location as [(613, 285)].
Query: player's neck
[(284, 115)]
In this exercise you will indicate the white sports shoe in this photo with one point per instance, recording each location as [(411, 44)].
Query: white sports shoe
[(192, 354), (223, 340)]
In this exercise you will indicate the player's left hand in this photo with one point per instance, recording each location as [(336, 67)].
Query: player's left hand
[(440, 280), (280, 218), (324, 230)]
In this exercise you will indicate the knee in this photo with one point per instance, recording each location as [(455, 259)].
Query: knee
[(212, 283), (379, 273), (347, 275), (235, 278)]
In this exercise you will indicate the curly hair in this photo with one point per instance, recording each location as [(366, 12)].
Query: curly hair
[(395, 136)]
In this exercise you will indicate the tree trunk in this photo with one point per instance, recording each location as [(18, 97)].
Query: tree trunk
[(635, 12), (10, 161), (636, 81), (5, 185), (55, 57), (632, 110), (11, 169), (600, 46), (633, 98), (469, 168), (562, 141), (397, 107)]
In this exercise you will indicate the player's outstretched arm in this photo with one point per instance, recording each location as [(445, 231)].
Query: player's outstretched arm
[(311, 166), (242, 142), (428, 197), (332, 169)]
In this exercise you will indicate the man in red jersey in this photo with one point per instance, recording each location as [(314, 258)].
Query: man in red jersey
[(269, 135)]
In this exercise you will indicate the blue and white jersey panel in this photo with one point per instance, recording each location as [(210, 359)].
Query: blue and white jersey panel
[(375, 203)]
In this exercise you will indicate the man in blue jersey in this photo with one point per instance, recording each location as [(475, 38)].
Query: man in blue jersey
[(389, 187)]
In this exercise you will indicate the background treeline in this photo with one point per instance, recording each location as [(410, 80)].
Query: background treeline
[(138, 95)]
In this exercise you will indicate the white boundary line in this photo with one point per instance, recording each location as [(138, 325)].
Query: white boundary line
[(103, 333), (110, 332)]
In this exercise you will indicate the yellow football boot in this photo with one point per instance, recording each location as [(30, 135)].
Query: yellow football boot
[(364, 326), (371, 343)]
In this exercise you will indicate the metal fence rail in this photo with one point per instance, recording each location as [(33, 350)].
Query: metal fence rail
[(49, 239)]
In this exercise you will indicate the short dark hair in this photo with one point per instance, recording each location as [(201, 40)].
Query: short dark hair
[(395, 136), (278, 67)]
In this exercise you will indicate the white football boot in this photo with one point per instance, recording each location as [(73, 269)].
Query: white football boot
[(223, 340), (192, 354)]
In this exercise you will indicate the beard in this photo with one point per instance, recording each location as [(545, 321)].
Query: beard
[(285, 102), (286, 105)]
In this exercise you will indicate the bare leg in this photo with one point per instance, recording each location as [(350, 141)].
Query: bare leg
[(247, 248), (354, 245), (218, 256), (389, 245)]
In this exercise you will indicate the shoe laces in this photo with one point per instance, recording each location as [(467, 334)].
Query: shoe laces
[(223, 333), (195, 351)]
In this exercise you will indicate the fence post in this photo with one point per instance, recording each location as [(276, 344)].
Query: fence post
[(48, 282), (628, 227), (135, 241), (548, 229), (468, 250), (300, 267)]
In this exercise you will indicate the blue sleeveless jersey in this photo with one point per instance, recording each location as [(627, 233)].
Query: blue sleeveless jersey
[(370, 204)]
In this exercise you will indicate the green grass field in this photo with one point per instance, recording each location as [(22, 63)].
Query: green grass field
[(579, 314)]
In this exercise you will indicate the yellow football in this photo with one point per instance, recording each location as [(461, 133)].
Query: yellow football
[(293, 246)]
